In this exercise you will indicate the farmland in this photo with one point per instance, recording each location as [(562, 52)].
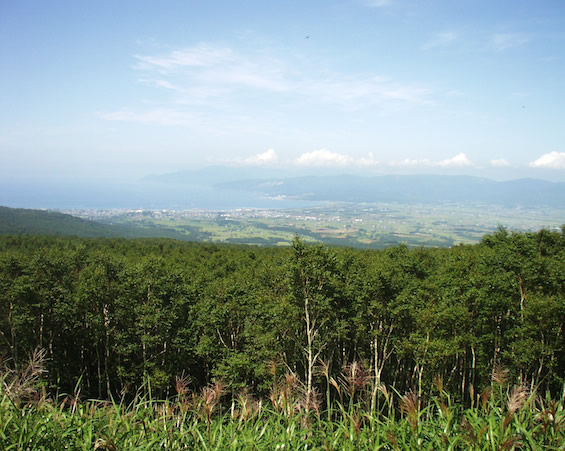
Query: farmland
[(349, 224)]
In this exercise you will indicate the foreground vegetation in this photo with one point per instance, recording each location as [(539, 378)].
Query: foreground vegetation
[(500, 417), (345, 348)]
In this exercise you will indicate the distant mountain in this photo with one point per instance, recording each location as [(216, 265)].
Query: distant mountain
[(20, 221), (222, 188), (408, 189)]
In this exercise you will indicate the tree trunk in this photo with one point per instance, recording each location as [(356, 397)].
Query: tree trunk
[(106, 348), (309, 352)]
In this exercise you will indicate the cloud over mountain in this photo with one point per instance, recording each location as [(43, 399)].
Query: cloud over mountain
[(552, 160), (261, 159), (458, 161), (323, 157)]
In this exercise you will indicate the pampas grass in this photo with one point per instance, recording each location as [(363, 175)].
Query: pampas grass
[(202, 419)]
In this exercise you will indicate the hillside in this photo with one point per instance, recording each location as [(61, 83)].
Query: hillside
[(20, 221)]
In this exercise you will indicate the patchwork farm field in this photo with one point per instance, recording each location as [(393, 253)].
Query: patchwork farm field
[(357, 225)]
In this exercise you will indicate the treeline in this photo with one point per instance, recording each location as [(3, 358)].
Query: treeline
[(113, 314)]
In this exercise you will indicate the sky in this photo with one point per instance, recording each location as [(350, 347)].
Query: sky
[(122, 89)]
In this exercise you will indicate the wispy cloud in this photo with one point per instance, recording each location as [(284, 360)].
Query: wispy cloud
[(222, 80), (504, 41), (206, 66), (552, 160), (162, 84), (248, 75), (198, 56), (212, 66), (187, 94), (440, 40), (369, 90), (158, 116)]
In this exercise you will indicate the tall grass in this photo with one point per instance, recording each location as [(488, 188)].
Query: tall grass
[(500, 417)]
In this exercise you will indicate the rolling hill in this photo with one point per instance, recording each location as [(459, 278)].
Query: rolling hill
[(20, 221)]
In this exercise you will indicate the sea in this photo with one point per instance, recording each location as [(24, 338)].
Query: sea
[(137, 195)]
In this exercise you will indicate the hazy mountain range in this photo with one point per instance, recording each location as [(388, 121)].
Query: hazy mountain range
[(277, 185), (224, 187), (409, 189)]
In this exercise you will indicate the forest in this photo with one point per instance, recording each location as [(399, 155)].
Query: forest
[(115, 317)]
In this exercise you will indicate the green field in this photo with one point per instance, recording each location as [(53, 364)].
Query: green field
[(357, 225)]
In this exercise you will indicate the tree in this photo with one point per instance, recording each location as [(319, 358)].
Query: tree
[(313, 280)]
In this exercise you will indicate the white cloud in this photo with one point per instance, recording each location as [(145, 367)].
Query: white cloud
[(367, 161), (323, 157), (499, 163), (440, 40), (504, 41), (552, 160), (267, 158), (316, 158), (199, 56), (327, 158), (458, 161), (262, 159), (412, 163), (159, 116)]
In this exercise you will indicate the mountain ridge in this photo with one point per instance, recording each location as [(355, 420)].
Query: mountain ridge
[(408, 189)]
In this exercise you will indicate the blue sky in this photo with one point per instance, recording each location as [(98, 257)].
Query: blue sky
[(121, 89)]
